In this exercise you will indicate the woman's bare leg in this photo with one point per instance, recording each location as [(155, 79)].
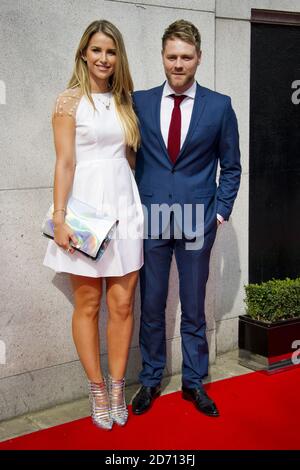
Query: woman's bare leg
[(87, 296), (120, 302)]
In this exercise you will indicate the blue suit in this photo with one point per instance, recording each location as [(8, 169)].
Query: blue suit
[(212, 137)]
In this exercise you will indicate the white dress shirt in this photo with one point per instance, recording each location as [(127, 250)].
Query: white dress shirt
[(186, 108)]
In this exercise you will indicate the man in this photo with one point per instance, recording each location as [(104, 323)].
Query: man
[(186, 130)]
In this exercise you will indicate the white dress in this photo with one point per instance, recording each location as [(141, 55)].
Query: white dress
[(103, 179)]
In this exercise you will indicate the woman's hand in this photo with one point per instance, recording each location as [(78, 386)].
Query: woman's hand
[(62, 236)]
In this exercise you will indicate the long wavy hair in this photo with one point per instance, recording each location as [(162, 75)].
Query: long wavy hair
[(121, 84)]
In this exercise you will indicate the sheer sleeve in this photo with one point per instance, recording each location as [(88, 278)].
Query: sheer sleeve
[(67, 103)]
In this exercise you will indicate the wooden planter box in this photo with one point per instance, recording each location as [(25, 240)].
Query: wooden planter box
[(267, 346)]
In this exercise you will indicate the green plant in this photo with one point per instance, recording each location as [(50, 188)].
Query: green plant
[(273, 300)]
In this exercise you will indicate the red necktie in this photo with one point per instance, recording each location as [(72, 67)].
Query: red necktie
[(175, 129)]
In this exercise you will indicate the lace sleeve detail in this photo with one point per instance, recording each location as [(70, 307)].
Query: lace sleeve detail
[(67, 103)]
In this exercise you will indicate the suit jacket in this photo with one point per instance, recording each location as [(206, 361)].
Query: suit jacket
[(212, 137)]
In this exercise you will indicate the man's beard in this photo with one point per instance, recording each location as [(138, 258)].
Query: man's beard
[(184, 80)]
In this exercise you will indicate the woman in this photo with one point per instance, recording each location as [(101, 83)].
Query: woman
[(95, 128)]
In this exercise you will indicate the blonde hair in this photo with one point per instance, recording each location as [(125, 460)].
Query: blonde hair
[(185, 31), (120, 82)]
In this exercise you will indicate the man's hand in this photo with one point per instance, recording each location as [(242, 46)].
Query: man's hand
[(220, 220)]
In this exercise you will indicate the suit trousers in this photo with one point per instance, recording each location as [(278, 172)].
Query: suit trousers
[(193, 270)]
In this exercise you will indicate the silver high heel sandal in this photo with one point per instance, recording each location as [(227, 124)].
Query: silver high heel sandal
[(99, 402), (118, 408)]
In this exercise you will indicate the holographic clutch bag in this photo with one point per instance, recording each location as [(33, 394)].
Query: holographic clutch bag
[(93, 231)]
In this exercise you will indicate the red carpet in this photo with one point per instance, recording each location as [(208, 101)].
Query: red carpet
[(258, 411)]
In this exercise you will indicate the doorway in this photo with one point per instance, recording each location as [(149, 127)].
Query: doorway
[(274, 168)]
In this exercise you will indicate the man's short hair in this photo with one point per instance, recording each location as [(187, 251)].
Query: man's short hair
[(183, 30)]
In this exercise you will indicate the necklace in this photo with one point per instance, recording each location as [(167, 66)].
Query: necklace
[(106, 103)]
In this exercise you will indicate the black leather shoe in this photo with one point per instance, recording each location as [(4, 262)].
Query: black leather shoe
[(201, 400), (144, 398)]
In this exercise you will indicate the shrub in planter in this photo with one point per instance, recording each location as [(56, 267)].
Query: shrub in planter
[(270, 330), (273, 300)]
